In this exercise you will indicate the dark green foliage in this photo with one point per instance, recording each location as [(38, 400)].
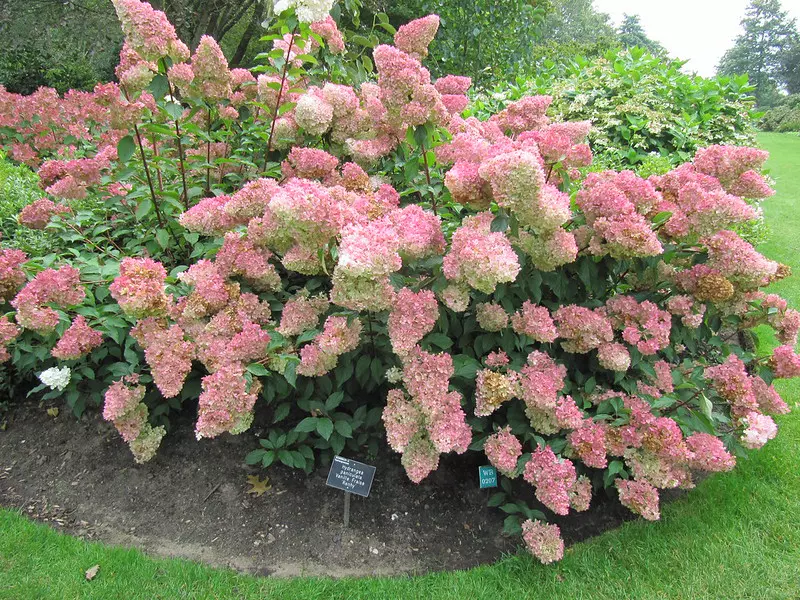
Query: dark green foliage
[(639, 104), (759, 51), (632, 35), (783, 117)]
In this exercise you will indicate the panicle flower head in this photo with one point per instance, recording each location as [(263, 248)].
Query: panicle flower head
[(769, 401), (479, 257), (729, 163), (535, 322), (543, 541), (491, 316), (313, 112), (525, 114), (121, 398), (759, 429), (78, 340), (212, 78), (226, 403), (785, 362), (503, 450), (308, 11), (420, 458), (640, 497), (168, 354), (12, 277), (338, 337), (738, 261), (301, 314), (240, 256), (60, 287), (56, 378), (415, 36), (149, 32), (412, 317), (498, 359), (708, 453), (553, 478), (419, 232), (492, 389), (210, 293), (643, 324), (589, 443), (139, 289), (731, 381), (614, 356), (550, 251), (402, 420), (38, 214), (329, 32), (309, 163), (8, 333), (582, 329)]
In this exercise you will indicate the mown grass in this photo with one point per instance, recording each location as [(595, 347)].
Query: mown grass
[(737, 536)]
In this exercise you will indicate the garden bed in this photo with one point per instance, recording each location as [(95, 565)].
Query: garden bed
[(191, 501)]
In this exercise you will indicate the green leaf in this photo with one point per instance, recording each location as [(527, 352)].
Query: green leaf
[(255, 456), (334, 400), (496, 499), (439, 340), (512, 526), (344, 429), (125, 149), (268, 459), (162, 237), (257, 369), (307, 425), (144, 208), (281, 412), (325, 427)]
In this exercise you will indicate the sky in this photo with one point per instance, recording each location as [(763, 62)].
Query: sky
[(697, 30)]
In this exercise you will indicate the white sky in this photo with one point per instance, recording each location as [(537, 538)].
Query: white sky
[(698, 30)]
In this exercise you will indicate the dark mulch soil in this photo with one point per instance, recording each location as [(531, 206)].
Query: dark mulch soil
[(191, 501)]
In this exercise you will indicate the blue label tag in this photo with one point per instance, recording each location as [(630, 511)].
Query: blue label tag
[(487, 477)]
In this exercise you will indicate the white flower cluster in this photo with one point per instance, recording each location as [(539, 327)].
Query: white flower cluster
[(308, 11), (55, 378)]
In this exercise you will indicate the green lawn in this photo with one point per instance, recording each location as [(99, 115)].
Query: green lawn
[(736, 536)]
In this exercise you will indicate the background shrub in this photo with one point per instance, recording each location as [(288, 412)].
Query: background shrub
[(784, 117)]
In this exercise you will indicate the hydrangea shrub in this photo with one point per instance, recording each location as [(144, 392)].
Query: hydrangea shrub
[(351, 257)]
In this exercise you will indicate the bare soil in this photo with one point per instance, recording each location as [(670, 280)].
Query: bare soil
[(191, 501)]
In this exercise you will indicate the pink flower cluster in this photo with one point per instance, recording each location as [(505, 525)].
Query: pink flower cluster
[(38, 214), (413, 316), (61, 288), (12, 277), (543, 541), (640, 497), (338, 337), (8, 333), (480, 258), (301, 313), (72, 178), (139, 288), (148, 32), (439, 422), (503, 450), (553, 477), (581, 329), (167, 352), (535, 322), (124, 407), (226, 402), (77, 341), (642, 324), (615, 206)]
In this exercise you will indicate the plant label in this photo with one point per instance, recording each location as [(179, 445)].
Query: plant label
[(351, 476), (487, 477)]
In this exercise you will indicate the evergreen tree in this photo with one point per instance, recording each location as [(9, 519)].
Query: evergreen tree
[(631, 33), (760, 51)]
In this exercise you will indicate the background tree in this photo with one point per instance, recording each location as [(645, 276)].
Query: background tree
[(487, 40), (791, 68), (632, 34), (760, 50)]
